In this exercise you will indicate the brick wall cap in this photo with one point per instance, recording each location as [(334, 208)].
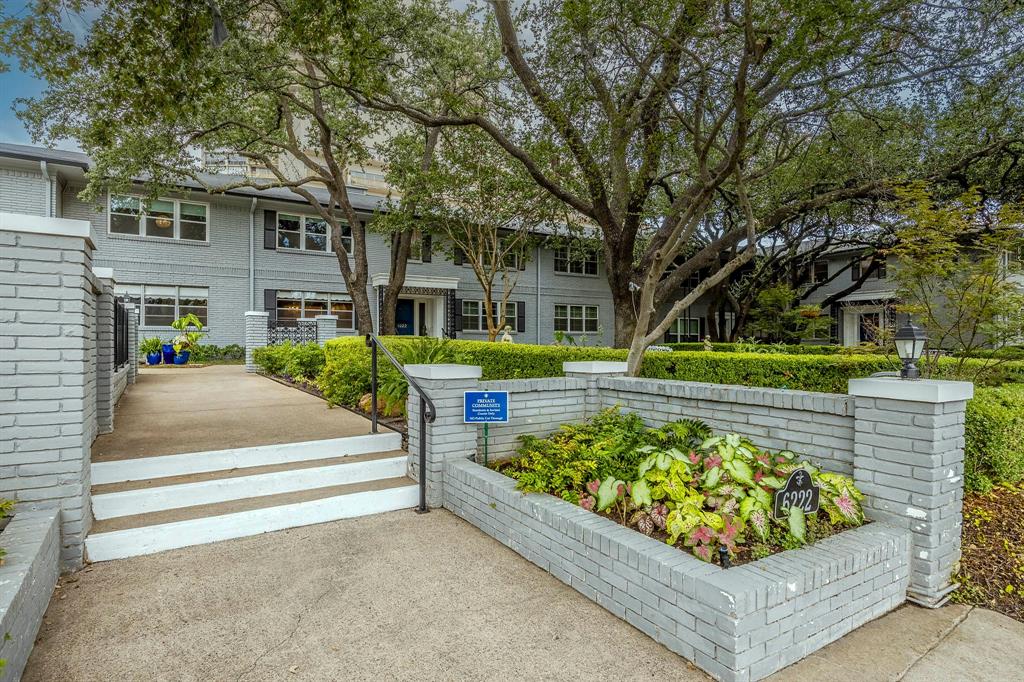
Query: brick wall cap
[(326, 317), (594, 367), (444, 371), (256, 313), (62, 227), (919, 391), (104, 273)]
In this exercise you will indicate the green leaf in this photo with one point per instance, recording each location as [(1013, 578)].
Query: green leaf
[(797, 524), (748, 505), (642, 494), (710, 442), (712, 476), (741, 471), (608, 492)]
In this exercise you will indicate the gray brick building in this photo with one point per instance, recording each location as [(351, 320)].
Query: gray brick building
[(222, 255)]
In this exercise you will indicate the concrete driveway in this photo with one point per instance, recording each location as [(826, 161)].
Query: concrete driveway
[(409, 597), (194, 409)]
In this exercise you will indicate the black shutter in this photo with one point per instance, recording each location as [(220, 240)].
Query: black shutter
[(520, 316), (458, 257), (521, 259), (425, 248), (270, 303), (457, 316), (355, 317), (270, 231)]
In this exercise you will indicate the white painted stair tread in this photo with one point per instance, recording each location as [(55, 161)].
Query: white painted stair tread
[(238, 484), (142, 468), (127, 536)]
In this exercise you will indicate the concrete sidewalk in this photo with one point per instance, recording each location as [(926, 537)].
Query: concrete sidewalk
[(174, 410), (404, 596)]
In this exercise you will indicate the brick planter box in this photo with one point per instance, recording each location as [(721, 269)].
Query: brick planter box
[(30, 570), (739, 624)]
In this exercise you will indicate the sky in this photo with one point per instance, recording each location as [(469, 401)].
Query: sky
[(17, 83)]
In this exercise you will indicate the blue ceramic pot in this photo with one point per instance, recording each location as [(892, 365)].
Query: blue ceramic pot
[(181, 358), (168, 354), (153, 358)]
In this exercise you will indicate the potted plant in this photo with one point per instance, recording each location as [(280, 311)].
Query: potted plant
[(190, 330), (168, 353), (151, 347)]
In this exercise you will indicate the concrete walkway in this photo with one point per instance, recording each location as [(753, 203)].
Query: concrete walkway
[(403, 596), (174, 410)]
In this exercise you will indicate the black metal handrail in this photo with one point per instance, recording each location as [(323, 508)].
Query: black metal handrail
[(427, 411)]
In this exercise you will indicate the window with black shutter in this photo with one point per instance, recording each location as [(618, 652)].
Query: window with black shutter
[(520, 316), (270, 230), (270, 303)]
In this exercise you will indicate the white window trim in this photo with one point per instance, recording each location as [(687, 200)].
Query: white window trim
[(511, 322), (142, 220), (685, 319), (569, 318), (569, 259), (302, 235), (177, 302)]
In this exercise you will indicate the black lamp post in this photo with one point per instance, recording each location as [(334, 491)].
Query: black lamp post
[(910, 341)]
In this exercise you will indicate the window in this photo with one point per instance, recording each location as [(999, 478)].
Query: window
[(159, 218), (161, 305), (858, 268), (416, 247), (576, 261), (576, 319), (295, 305), (820, 270), (308, 233), (685, 330), (473, 319)]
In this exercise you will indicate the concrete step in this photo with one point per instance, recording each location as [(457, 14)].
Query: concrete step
[(131, 498), (125, 536), (164, 466)]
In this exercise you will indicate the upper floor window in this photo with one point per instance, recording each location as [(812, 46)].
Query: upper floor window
[(820, 273), (859, 265), (576, 319), (576, 261), (161, 218), (160, 305), (308, 233)]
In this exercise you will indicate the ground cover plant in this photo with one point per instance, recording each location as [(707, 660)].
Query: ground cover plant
[(992, 566), (707, 494)]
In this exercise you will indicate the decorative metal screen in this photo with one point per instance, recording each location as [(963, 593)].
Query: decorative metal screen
[(120, 333), (297, 331)]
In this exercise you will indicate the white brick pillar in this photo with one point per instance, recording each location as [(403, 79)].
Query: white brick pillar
[(326, 328), (447, 437), (591, 371), (47, 371), (909, 462), (105, 350), (256, 334), (133, 341)]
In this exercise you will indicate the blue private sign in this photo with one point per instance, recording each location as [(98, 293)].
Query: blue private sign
[(485, 407)]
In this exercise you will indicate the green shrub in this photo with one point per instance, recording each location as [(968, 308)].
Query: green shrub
[(777, 348), (208, 352), (305, 361), (273, 359), (994, 431)]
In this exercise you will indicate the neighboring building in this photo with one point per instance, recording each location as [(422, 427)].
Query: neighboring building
[(857, 316), (220, 255)]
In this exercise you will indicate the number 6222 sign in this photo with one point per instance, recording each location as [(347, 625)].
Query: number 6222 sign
[(800, 492)]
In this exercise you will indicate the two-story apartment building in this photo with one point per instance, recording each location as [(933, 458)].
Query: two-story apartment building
[(219, 255)]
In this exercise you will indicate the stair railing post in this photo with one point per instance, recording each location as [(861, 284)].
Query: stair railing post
[(423, 458), (372, 343)]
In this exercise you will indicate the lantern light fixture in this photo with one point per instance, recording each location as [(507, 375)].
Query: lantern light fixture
[(910, 342)]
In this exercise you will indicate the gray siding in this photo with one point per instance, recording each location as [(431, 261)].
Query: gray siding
[(22, 191)]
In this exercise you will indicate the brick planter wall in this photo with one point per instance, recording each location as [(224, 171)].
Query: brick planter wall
[(30, 570), (738, 624), (540, 407)]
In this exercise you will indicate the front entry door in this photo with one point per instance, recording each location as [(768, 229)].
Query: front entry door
[(405, 317)]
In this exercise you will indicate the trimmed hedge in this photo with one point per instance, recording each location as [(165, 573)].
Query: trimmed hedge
[(994, 451), (766, 348), (995, 418), (298, 361), (208, 352)]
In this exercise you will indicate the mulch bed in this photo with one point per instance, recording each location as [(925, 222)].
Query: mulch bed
[(992, 566), (394, 423)]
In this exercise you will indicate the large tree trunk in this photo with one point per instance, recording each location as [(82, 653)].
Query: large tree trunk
[(400, 245)]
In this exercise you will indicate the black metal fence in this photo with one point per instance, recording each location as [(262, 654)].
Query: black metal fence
[(120, 333), (296, 331)]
